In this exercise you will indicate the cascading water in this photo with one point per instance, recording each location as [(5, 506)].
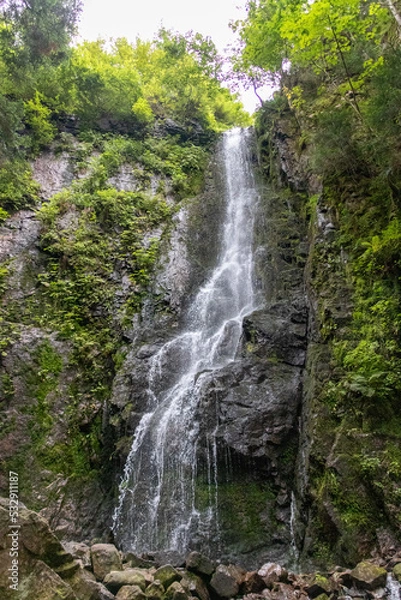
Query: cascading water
[(157, 508)]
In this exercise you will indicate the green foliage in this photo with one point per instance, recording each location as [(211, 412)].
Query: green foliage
[(17, 188), (37, 29), (42, 380), (37, 120), (11, 112)]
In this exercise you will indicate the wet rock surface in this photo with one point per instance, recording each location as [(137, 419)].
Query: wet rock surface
[(250, 408)]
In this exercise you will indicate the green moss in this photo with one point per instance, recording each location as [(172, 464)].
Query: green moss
[(244, 511), (42, 379)]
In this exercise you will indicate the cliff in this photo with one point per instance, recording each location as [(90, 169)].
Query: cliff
[(99, 278), (347, 472)]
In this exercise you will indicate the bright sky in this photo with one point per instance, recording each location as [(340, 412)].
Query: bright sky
[(131, 19)]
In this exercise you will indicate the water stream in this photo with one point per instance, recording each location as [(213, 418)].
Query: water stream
[(157, 508)]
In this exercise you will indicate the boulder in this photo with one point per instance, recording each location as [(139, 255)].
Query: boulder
[(226, 580), (105, 558), (116, 579), (137, 561), (271, 573), (130, 592), (253, 583), (176, 592), (81, 552), (199, 563), (193, 584), (284, 591), (85, 587), (45, 584), (369, 576), (43, 563), (318, 585), (167, 575), (168, 557), (397, 571), (155, 591)]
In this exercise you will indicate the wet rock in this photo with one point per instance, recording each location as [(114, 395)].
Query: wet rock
[(170, 557), (138, 561), (105, 558), (155, 591), (199, 563), (284, 591), (114, 580), (86, 588), (253, 583), (45, 584), (167, 575), (81, 552), (193, 584), (343, 578), (44, 564), (397, 571), (368, 576), (271, 573), (176, 592), (226, 580), (279, 334), (130, 592), (318, 585)]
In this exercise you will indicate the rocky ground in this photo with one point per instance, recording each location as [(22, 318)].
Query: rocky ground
[(47, 569)]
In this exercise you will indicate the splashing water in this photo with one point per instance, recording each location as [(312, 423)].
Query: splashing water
[(157, 505)]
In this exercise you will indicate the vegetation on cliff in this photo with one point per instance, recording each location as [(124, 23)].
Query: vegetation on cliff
[(339, 97), (146, 112)]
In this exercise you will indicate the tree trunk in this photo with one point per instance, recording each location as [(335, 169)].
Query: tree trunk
[(393, 9)]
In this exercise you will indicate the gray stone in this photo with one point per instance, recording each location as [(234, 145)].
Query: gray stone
[(199, 563), (176, 592), (42, 582), (318, 585), (135, 561), (80, 552), (86, 588), (195, 585), (130, 592), (369, 576), (105, 558), (225, 581), (116, 579), (155, 591), (53, 173), (253, 583), (271, 573), (167, 575)]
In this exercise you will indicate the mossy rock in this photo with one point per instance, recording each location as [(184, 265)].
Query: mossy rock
[(167, 575), (397, 572), (319, 586), (369, 576)]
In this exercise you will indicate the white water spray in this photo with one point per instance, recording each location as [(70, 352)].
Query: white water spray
[(157, 506)]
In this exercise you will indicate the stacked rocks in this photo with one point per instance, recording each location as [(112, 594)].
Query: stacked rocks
[(48, 569)]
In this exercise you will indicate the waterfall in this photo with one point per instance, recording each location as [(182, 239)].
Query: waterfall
[(393, 588), (157, 508)]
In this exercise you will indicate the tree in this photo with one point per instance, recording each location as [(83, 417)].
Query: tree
[(38, 29)]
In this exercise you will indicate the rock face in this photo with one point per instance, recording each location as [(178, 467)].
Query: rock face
[(257, 397), (338, 513), (282, 459), (42, 568)]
